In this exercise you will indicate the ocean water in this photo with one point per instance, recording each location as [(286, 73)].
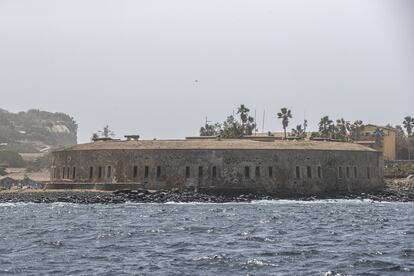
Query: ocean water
[(343, 237)]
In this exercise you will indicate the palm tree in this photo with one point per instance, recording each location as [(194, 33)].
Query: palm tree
[(305, 126), (409, 126), (343, 128), (284, 114), (247, 122), (378, 134), (355, 130), (244, 113)]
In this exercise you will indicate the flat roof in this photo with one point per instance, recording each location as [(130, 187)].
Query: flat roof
[(243, 144)]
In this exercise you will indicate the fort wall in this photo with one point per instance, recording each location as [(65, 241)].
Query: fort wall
[(283, 172)]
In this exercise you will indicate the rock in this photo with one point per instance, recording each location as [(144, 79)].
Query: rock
[(142, 195), (123, 191)]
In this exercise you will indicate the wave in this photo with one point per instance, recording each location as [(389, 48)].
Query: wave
[(253, 202), (16, 204), (290, 201), (321, 201)]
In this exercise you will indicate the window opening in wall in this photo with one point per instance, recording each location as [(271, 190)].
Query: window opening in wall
[(355, 172), (297, 172), (68, 172), (247, 172), (187, 171), (135, 171), (309, 171), (63, 172), (100, 172), (368, 173), (214, 172), (348, 172), (90, 172), (257, 172), (108, 171), (73, 172), (270, 171), (319, 172), (340, 174), (146, 172), (200, 171), (158, 171)]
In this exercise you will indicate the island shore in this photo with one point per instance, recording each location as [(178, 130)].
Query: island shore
[(401, 190)]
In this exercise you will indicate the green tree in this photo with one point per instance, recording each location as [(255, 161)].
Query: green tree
[(211, 129), (326, 127), (355, 130), (94, 136), (342, 129), (232, 128), (299, 132), (402, 143), (408, 124), (378, 134), (305, 126), (247, 122), (284, 114)]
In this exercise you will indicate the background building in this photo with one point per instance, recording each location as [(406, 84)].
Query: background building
[(380, 138)]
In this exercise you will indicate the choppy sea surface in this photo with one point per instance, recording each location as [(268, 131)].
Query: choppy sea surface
[(342, 237)]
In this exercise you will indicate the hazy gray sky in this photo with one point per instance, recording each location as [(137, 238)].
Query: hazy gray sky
[(157, 68)]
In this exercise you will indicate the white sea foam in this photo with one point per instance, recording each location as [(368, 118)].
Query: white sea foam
[(280, 201), (258, 202), (324, 201), (189, 203), (15, 204)]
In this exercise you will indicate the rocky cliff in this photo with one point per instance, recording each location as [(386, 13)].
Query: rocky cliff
[(36, 131)]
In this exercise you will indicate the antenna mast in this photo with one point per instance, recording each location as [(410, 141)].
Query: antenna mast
[(207, 121), (305, 122), (263, 124), (255, 123)]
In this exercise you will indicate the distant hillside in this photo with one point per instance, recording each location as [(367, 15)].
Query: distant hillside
[(36, 131)]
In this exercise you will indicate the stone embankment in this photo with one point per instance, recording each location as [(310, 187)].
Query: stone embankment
[(392, 193), (398, 168), (401, 184)]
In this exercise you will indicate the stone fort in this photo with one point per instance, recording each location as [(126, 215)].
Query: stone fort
[(276, 167)]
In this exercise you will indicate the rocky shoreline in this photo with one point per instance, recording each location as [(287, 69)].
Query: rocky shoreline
[(144, 196)]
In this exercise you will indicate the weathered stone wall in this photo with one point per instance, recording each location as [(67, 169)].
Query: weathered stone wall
[(320, 171), (398, 168)]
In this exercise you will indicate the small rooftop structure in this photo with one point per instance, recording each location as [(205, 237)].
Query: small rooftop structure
[(97, 139), (201, 138), (132, 137)]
